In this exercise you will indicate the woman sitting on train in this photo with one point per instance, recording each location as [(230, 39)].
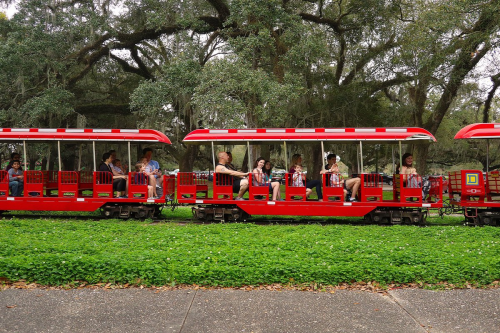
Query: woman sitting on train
[(411, 179), (260, 179), (310, 183), (119, 182), (16, 178)]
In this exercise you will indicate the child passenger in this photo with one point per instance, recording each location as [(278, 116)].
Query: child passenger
[(16, 179), (142, 179), (299, 177)]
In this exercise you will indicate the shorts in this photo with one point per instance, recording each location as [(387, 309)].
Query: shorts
[(119, 184), (236, 185)]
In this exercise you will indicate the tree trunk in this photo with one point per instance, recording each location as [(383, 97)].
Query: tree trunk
[(186, 162), (317, 160), (420, 157)]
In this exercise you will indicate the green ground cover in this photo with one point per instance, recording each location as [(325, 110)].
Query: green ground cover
[(58, 251)]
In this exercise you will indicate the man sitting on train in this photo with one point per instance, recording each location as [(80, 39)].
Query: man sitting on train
[(119, 182), (349, 184), (240, 180), (153, 167)]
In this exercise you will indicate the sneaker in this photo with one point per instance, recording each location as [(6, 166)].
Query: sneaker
[(238, 198), (157, 197), (280, 199), (353, 200), (124, 197)]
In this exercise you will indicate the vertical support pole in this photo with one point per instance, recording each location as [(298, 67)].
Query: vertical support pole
[(361, 154), (393, 160), (286, 157), (129, 159), (400, 156), (357, 158), (59, 154), (213, 154), (322, 155), (93, 155), (487, 155), (249, 157), (24, 154)]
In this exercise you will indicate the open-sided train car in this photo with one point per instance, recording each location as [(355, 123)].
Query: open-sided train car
[(476, 193), (82, 190), (405, 205)]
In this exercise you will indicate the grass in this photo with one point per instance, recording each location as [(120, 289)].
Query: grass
[(57, 252)]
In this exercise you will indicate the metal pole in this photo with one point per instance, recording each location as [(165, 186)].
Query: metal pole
[(487, 155), (393, 161), (59, 154), (400, 157), (129, 159), (249, 157), (24, 153), (322, 155), (361, 154), (286, 157), (93, 155), (357, 158), (213, 154)]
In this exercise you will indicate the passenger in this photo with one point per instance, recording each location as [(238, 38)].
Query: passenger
[(240, 182), (260, 178), (14, 157), (352, 184), (142, 179), (411, 179), (120, 170), (299, 177), (16, 178), (229, 164), (149, 172), (297, 159), (119, 182), (153, 168)]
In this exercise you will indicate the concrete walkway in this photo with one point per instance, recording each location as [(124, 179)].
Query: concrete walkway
[(136, 310)]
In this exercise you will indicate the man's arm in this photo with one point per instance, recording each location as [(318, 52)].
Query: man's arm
[(223, 169)]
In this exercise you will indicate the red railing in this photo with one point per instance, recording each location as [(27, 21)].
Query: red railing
[(258, 188), (137, 185), (223, 186), (332, 187), (85, 182), (33, 183), (295, 188), (103, 184), (371, 188), (4, 183), (68, 183), (189, 186)]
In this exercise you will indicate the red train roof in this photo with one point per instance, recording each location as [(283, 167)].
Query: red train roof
[(235, 136), (479, 131), (82, 134)]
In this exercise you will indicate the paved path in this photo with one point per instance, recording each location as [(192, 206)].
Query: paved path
[(136, 310)]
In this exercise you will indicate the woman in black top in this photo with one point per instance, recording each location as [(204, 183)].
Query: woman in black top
[(119, 182)]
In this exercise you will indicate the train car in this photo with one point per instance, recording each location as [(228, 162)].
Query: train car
[(404, 206), (477, 193), (82, 190)]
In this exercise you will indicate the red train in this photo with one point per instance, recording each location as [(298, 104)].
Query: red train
[(63, 190)]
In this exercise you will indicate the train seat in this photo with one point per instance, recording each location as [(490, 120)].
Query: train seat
[(332, 189), (4, 183), (223, 186), (294, 193), (51, 183), (407, 188), (493, 186), (467, 185), (33, 183), (189, 186), (137, 185), (85, 182), (371, 188), (68, 183), (103, 184), (257, 191)]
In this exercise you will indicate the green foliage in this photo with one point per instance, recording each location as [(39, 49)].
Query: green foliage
[(56, 252), (54, 102)]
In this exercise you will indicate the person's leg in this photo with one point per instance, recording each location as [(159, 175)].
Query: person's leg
[(152, 182), (276, 190), (308, 192), (243, 187), (353, 185), (315, 184), (13, 188), (150, 191)]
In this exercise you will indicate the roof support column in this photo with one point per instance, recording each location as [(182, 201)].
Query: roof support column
[(24, 154), (361, 154), (286, 157), (322, 155), (249, 157), (213, 154), (93, 155), (393, 160), (59, 154), (400, 157), (129, 159), (487, 155), (80, 158)]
